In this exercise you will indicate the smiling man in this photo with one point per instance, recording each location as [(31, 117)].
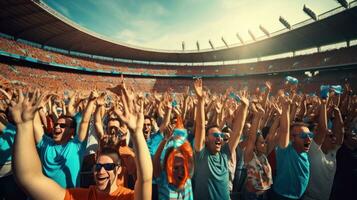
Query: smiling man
[(62, 155), (293, 166), (27, 165), (211, 159)]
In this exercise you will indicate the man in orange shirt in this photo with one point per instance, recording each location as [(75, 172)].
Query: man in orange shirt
[(27, 165)]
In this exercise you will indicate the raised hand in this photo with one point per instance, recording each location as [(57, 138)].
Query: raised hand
[(23, 110), (198, 88), (101, 99), (133, 118), (243, 95), (268, 85)]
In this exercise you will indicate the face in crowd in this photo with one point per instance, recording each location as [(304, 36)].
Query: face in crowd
[(260, 144), (301, 138), (117, 128), (178, 168), (106, 170), (147, 127), (214, 140), (63, 130)]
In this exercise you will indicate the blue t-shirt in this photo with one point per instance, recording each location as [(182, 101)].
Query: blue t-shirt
[(292, 172), (211, 174), (167, 191), (62, 163), (153, 142), (6, 142)]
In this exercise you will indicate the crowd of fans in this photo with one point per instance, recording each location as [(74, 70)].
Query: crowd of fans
[(118, 141), (322, 59)]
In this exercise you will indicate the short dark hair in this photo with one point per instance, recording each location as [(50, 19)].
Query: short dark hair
[(211, 126), (294, 124), (112, 153), (65, 117)]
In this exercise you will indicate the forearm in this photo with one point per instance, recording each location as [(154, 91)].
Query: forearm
[(166, 121), (200, 126), (248, 153), (83, 128), (322, 125), (338, 127), (284, 130), (142, 159), (38, 130), (98, 121), (238, 125), (27, 164)]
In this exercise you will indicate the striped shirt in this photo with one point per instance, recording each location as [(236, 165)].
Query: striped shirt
[(170, 192)]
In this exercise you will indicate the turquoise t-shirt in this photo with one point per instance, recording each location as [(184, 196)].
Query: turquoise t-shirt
[(292, 172), (167, 192), (211, 174), (153, 142), (62, 163), (6, 142)]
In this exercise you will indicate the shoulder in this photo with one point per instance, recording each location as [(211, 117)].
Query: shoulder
[(124, 193), (77, 193)]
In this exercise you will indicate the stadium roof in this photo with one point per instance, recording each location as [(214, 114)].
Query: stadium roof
[(35, 21)]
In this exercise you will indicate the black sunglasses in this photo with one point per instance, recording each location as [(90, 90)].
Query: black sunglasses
[(107, 166), (61, 125)]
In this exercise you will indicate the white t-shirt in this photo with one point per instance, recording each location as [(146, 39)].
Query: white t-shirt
[(322, 172)]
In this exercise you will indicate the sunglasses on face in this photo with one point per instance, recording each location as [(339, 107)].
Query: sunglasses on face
[(147, 124), (216, 135), (61, 125), (304, 135), (107, 166)]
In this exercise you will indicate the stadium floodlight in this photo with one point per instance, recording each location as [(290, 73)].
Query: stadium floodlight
[(309, 12), (240, 38), (183, 46), (252, 35), (224, 41), (264, 30), (198, 46), (284, 22), (343, 3), (211, 44)]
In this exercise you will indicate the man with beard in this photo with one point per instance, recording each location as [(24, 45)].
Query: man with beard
[(27, 165), (211, 160), (322, 154), (62, 155), (293, 167)]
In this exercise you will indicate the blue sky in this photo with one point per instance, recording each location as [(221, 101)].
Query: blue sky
[(164, 24)]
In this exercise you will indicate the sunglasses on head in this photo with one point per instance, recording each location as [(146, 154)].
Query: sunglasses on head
[(216, 135), (61, 125), (304, 135), (107, 166)]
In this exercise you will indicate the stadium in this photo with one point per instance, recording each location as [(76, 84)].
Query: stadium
[(41, 48)]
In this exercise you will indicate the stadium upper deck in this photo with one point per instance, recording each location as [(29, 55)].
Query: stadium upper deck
[(36, 22)]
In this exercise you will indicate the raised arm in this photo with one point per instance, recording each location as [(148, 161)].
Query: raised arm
[(258, 113), (83, 127), (200, 116), (284, 129), (322, 125), (135, 122), (98, 116), (239, 121), (338, 128), (26, 162), (167, 115)]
